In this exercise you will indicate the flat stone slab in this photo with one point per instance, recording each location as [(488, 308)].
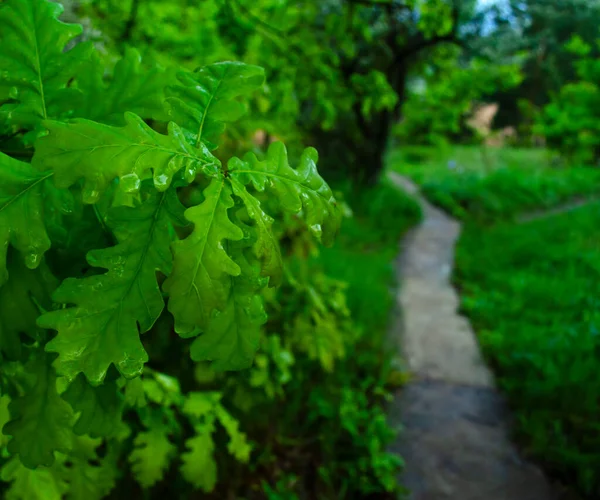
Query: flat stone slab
[(455, 438), (456, 446), (437, 342)]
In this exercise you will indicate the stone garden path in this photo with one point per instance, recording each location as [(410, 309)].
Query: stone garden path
[(455, 437)]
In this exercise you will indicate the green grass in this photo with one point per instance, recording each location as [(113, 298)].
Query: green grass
[(532, 292), (492, 185)]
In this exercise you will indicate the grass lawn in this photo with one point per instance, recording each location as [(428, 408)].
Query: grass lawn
[(532, 292), (495, 183)]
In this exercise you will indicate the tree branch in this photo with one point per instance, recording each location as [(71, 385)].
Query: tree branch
[(259, 21), (131, 20), (423, 43)]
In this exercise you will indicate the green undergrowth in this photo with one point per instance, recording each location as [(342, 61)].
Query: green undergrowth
[(312, 407), (488, 184), (365, 249), (322, 431), (329, 432), (532, 292)]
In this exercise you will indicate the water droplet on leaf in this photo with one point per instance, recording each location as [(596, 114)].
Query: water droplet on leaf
[(190, 174), (130, 183), (32, 260), (161, 182)]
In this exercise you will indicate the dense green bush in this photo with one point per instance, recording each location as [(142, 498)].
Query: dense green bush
[(532, 292), (115, 200), (571, 121)]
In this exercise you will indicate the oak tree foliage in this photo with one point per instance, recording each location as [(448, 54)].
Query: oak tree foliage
[(101, 243)]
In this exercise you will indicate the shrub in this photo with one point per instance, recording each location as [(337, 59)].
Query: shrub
[(110, 217), (571, 121), (114, 200)]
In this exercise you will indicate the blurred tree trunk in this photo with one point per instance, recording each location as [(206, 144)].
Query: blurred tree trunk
[(358, 152), (358, 145)]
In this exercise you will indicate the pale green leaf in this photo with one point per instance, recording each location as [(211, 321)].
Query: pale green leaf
[(22, 192), (238, 444), (162, 389), (100, 324), (100, 408), (40, 484), (151, 456), (134, 393), (201, 279), (131, 87), (206, 100), (33, 63), (41, 421), (100, 153), (90, 477), (200, 404), (199, 467), (321, 338), (298, 190)]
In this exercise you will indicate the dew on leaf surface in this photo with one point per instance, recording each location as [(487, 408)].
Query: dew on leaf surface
[(161, 181), (32, 260), (130, 183)]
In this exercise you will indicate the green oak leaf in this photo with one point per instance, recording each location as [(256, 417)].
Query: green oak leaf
[(90, 477), (198, 463), (135, 395), (35, 68), (266, 245), (99, 326), (101, 153), (232, 337), (61, 207), (99, 408), (203, 410), (33, 484), (41, 421), (298, 190), (151, 456), (131, 87), (4, 418), (20, 298), (321, 337), (201, 278), (200, 404), (73, 236), (162, 389), (22, 193), (238, 444), (206, 99)]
